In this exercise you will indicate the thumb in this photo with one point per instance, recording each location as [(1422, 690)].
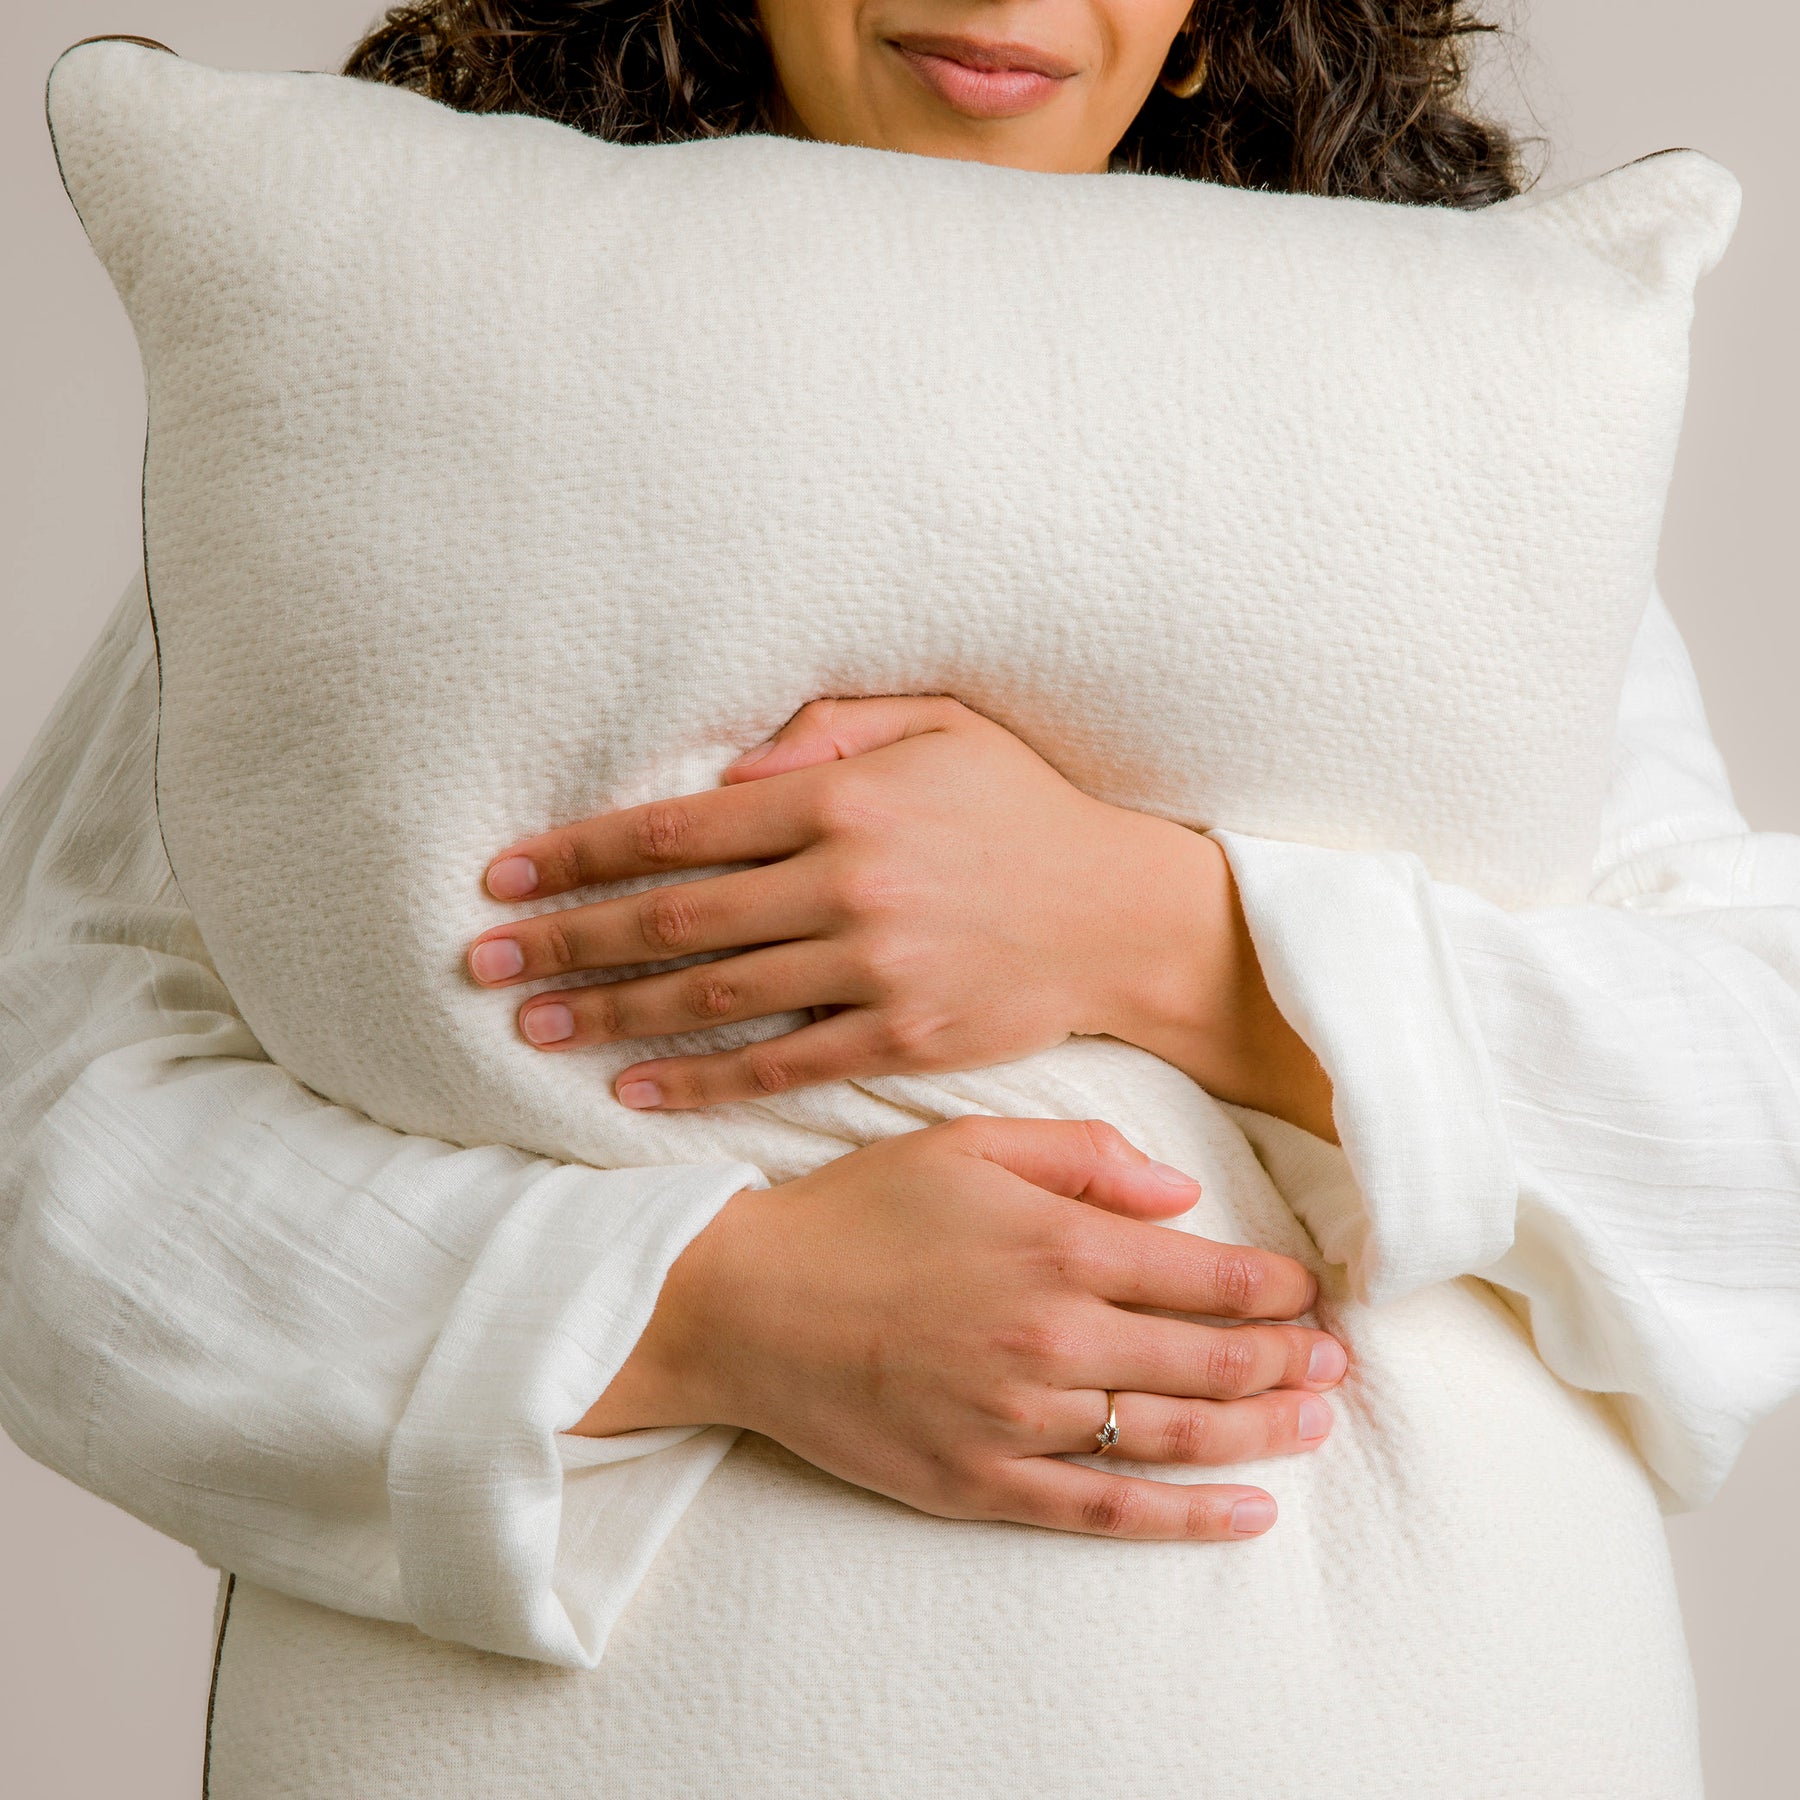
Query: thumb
[(827, 730), (1082, 1159)]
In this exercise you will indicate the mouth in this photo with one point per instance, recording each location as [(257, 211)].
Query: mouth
[(984, 78)]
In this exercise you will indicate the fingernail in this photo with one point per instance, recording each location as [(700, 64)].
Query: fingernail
[(498, 959), (512, 878), (1249, 1516), (757, 754), (642, 1095), (1171, 1176), (1327, 1362), (1315, 1419), (549, 1024)]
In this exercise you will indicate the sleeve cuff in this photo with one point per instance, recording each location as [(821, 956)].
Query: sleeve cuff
[(1358, 962), (511, 1535)]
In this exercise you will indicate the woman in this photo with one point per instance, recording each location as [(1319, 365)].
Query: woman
[(1637, 1050)]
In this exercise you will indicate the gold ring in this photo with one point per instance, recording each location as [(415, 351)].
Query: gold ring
[(1108, 1434)]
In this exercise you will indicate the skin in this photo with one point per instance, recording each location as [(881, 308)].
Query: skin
[(844, 75), (939, 1316)]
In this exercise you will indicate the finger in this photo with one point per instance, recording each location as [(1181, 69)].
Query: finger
[(1207, 1362), (1043, 1490), (1082, 1159), (680, 918), (1183, 1273), (1157, 1428), (694, 831), (853, 1042), (829, 730), (782, 978)]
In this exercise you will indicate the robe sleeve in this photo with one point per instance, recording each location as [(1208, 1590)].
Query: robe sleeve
[(1594, 1107), (331, 1357)]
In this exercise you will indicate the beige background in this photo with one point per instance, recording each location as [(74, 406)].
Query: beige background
[(104, 1627)]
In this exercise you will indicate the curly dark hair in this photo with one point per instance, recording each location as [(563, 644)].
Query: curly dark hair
[(1360, 97)]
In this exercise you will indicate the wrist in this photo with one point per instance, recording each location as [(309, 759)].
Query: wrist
[(1173, 964), (669, 1377), (1192, 988)]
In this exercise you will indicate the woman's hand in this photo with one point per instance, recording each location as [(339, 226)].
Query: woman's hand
[(928, 877), (938, 1315)]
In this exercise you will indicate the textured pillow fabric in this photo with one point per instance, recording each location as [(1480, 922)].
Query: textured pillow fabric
[(497, 476)]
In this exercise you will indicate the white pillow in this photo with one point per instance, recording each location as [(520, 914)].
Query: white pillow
[(497, 476)]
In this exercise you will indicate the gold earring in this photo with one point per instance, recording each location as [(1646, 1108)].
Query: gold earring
[(1191, 83)]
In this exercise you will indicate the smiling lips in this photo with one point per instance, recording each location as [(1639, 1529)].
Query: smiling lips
[(985, 80)]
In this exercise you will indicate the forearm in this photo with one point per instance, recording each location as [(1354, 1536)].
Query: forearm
[(276, 1330), (1647, 1070), (326, 1355), (1595, 1108)]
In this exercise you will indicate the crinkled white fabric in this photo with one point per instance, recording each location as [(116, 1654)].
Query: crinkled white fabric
[(334, 1358)]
